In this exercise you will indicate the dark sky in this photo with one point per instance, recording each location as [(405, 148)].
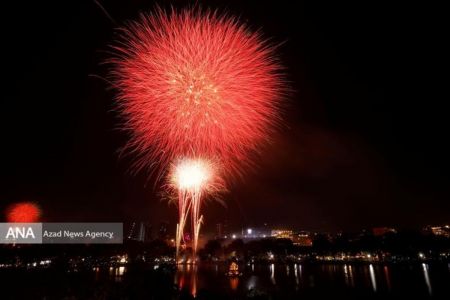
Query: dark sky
[(365, 136)]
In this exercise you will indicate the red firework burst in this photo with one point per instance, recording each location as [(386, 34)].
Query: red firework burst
[(24, 212), (194, 83)]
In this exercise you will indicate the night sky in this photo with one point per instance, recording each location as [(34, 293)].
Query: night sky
[(364, 140)]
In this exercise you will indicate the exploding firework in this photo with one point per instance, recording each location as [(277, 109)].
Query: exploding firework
[(198, 86), (194, 83), (192, 179), (24, 212)]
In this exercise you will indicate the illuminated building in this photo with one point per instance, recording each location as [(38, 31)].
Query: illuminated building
[(221, 230), (302, 239), (282, 234), (251, 233), (139, 231), (163, 230), (440, 230)]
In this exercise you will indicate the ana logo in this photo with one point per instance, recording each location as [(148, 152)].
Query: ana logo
[(20, 232)]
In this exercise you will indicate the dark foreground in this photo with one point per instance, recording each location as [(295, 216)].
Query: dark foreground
[(307, 281)]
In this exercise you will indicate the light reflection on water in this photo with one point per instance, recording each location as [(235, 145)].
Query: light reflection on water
[(300, 273), (427, 278), (272, 274), (350, 274), (388, 277), (194, 280), (297, 282), (371, 278), (251, 283), (346, 275), (234, 283), (115, 273)]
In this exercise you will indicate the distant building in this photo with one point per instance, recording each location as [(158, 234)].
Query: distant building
[(440, 230), (131, 231), (302, 239), (380, 231), (140, 231), (221, 231), (282, 234), (250, 233), (163, 230)]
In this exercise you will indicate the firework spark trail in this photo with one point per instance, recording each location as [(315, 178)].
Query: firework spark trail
[(184, 205), (194, 83), (193, 178), (196, 220)]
